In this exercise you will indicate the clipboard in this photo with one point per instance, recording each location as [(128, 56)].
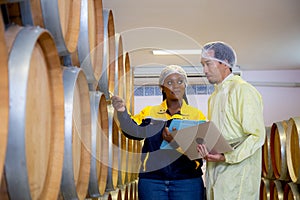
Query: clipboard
[(205, 133), (179, 124)]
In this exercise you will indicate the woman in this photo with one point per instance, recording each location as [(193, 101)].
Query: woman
[(165, 173)]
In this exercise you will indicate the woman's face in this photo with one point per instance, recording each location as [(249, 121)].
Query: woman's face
[(174, 86)]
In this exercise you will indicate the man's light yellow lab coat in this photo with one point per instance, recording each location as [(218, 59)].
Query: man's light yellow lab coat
[(236, 108)]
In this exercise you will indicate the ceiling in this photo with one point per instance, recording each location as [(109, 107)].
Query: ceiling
[(264, 33)]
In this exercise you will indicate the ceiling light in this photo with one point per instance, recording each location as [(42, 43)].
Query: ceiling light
[(177, 52)]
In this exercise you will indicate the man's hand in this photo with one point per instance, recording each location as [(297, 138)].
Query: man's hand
[(201, 148), (203, 152), (118, 103)]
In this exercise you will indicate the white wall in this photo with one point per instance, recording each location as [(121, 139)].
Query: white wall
[(280, 102)]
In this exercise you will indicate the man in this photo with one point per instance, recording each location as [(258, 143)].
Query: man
[(237, 110)]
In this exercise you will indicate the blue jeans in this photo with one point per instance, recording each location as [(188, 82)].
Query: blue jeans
[(186, 189)]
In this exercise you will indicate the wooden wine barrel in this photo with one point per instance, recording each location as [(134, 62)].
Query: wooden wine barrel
[(277, 190), (126, 191), (34, 157), (122, 154), (74, 59), (77, 157), (113, 150), (132, 92), (293, 148), (291, 191), (119, 90), (122, 192), (4, 103), (104, 144), (129, 161), (129, 82), (278, 150), (90, 42), (127, 78), (133, 191), (99, 148), (267, 170), (117, 194), (137, 159), (60, 17), (119, 82), (265, 185), (107, 77)]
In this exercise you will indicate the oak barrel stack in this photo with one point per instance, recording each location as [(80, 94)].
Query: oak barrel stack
[(60, 63)]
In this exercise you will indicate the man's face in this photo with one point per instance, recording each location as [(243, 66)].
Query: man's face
[(212, 68)]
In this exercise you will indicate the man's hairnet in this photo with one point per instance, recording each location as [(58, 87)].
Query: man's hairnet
[(223, 53), (171, 69)]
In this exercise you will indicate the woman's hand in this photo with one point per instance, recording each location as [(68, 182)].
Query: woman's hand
[(118, 103), (167, 135), (203, 152)]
